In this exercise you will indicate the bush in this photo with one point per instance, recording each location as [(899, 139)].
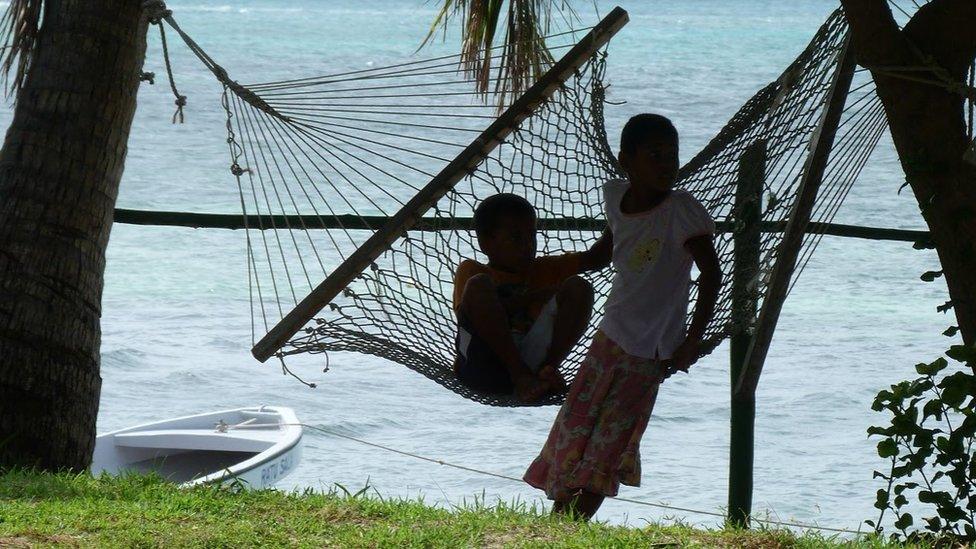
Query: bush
[(929, 443)]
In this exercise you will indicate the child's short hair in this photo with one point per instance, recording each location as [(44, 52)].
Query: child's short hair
[(644, 127), (493, 208)]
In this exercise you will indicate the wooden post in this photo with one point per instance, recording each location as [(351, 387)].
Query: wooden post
[(425, 199), (745, 274), (789, 248)]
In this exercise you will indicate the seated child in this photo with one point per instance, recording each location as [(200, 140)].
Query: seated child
[(520, 315)]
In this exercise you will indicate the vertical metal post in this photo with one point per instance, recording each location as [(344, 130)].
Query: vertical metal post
[(745, 279)]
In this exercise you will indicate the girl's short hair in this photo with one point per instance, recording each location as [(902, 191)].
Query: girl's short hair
[(644, 127)]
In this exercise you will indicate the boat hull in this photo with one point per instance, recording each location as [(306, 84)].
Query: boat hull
[(252, 447)]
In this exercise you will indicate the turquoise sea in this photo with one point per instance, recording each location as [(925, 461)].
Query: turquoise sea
[(176, 318)]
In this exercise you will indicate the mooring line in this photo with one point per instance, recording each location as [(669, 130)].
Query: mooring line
[(506, 477)]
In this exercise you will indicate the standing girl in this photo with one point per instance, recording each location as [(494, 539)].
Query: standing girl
[(653, 236)]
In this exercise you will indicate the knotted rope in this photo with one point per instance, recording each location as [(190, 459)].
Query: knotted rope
[(942, 79), (156, 12), (929, 64)]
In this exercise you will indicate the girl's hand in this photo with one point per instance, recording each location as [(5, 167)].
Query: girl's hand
[(685, 355)]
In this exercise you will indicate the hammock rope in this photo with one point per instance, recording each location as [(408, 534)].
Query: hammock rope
[(346, 149)]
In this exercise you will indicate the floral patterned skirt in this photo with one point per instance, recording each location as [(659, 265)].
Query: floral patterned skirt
[(594, 444)]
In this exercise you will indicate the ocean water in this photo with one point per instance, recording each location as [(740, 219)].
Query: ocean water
[(176, 317)]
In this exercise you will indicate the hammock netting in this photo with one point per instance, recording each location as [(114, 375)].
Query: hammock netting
[(326, 160)]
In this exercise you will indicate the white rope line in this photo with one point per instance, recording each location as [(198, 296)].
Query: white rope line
[(520, 481)]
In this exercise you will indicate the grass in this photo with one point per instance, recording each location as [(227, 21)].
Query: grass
[(38, 510)]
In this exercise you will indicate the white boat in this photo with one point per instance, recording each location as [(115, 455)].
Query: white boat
[(258, 446)]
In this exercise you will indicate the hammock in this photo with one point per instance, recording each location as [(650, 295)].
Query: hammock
[(367, 179)]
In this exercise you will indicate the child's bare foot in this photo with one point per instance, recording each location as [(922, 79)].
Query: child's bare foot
[(553, 379), (530, 389)]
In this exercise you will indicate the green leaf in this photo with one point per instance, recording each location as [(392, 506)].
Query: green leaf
[(900, 501), (956, 443), (953, 395), (932, 368), (922, 385), (882, 500), (968, 427), (904, 521), (929, 276), (884, 396), (903, 470), (905, 424), (944, 307), (888, 448), (951, 514), (923, 439), (962, 353), (932, 408), (958, 476), (944, 498), (882, 431), (907, 486), (951, 331)]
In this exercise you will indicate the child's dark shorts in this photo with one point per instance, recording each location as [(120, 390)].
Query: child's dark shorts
[(476, 365), (479, 368)]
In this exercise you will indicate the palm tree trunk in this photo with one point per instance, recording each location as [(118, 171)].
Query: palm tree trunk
[(60, 168)]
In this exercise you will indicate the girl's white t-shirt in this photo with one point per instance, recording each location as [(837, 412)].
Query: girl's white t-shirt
[(648, 302)]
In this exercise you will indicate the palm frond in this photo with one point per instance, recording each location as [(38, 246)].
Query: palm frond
[(524, 54), (18, 35)]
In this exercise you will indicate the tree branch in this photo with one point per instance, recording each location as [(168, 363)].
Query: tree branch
[(874, 33), (946, 30)]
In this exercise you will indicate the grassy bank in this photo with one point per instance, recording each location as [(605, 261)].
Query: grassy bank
[(78, 510)]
